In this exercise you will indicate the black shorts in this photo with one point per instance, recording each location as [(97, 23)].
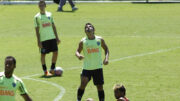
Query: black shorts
[(96, 74), (56, 1), (49, 46)]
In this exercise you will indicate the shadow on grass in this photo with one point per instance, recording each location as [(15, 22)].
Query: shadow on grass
[(68, 11), (43, 76)]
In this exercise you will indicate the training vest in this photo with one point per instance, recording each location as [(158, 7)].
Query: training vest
[(92, 53)]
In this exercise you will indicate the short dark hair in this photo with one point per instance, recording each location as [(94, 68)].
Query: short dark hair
[(42, 1), (89, 24), (13, 59), (120, 88)]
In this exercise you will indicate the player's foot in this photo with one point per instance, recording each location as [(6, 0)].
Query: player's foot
[(60, 9), (52, 71), (47, 74), (74, 8)]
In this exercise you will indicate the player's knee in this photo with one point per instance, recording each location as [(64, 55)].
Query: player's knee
[(55, 53), (43, 57), (99, 87), (83, 84), (82, 87)]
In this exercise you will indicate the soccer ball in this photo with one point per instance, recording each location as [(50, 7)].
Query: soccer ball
[(58, 71)]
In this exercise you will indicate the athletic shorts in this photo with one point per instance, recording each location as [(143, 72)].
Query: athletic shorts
[(49, 46), (96, 74)]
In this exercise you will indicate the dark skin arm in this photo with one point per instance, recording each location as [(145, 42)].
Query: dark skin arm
[(55, 33), (26, 97), (106, 50), (79, 49), (38, 37)]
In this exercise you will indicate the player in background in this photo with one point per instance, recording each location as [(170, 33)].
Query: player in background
[(120, 92), (92, 66), (63, 2), (47, 37), (9, 83)]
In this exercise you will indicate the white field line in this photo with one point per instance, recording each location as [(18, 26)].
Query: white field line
[(138, 36), (60, 95), (144, 54)]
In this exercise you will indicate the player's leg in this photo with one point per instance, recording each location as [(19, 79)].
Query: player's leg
[(43, 62), (98, 80), (54, 49), (85, 78), (100, 92), (61, 4), (54, 59), (44, 51), (72, 5)]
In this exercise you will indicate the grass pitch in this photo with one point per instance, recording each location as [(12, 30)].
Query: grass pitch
[(132, 30)]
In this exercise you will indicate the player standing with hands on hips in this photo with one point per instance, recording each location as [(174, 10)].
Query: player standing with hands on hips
[(47, 36), (92, 66)]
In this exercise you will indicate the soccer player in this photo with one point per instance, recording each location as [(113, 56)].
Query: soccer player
[(120, 92), (9, 83), (47, 37), (92, 67)]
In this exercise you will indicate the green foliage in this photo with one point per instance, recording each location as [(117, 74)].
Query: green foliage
[(128, 30)]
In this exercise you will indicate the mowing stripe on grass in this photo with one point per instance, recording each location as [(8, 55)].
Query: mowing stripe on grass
[(29, 76)]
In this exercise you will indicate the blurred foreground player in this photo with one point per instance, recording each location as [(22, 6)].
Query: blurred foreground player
[(9, 83), (120, 93)]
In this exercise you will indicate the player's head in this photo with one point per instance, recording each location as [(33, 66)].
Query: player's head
[(119, 91), (89, 99), (89, 30), (42, 5), (10, 65)]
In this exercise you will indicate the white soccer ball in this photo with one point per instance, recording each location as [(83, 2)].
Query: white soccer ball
[(58, 71)]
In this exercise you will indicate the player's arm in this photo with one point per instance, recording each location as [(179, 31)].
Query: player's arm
[(78, 51), (54, 29), (106, 50), (23, 91), (37, 32), (55, 33), (26, 97), (38, 37)]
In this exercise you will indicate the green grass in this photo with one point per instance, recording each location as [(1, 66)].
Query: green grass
[(128, 29)]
